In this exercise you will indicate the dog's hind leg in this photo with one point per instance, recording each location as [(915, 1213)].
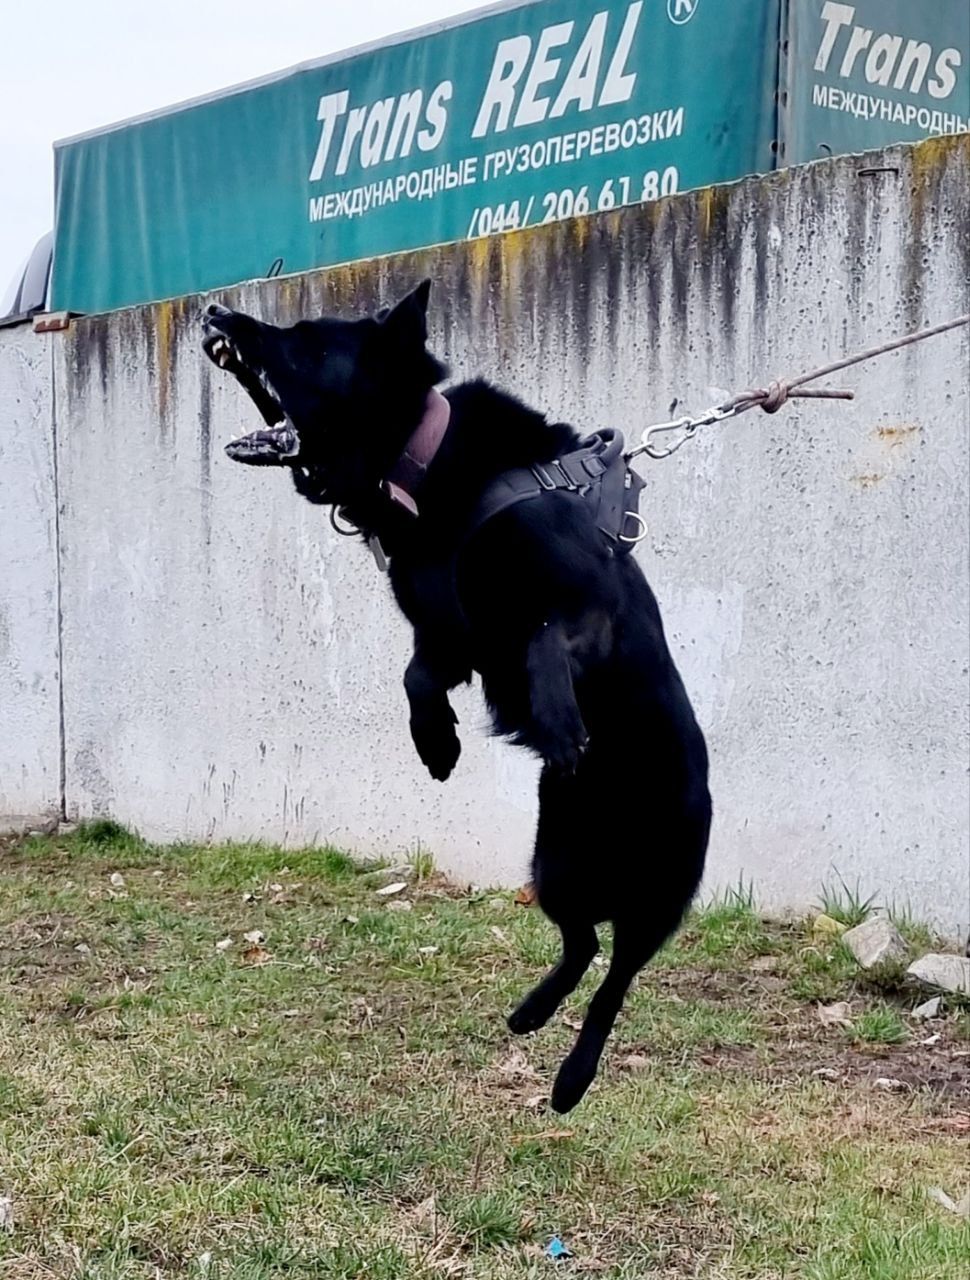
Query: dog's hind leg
[(579, 946), (633, 945)]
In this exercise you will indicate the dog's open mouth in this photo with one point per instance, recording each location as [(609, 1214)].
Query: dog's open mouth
[(279, 445)]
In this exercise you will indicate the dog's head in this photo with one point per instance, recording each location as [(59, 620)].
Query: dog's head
[(339, 398)]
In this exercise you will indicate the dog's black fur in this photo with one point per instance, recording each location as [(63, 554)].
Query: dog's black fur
[(565, 635)]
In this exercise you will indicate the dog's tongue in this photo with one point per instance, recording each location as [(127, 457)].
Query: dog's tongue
[(276, 448)]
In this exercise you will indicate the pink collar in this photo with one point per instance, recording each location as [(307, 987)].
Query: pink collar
[(404, 478)]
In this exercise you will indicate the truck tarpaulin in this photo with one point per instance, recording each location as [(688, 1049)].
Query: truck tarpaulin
[(520, 114), (863, 75)]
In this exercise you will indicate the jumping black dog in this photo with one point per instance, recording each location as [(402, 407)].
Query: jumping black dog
[(557, 620)]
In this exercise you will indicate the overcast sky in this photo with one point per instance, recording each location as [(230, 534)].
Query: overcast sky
[(71, 65)]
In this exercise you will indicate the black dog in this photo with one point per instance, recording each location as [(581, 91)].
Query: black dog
[(559, 623)]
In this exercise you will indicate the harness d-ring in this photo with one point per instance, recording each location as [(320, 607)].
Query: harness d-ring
[(634, 515), (335, 517)]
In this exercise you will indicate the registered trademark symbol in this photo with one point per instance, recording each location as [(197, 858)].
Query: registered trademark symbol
[(681, 11)]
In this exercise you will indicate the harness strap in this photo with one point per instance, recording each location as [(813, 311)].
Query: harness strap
[(597, 472)]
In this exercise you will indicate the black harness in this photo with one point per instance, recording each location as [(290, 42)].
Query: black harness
[(597, 472)]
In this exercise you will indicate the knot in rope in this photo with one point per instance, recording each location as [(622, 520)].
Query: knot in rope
[(770, 398), (775, 396)]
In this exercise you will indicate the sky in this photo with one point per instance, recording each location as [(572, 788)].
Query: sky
[(66, 67)]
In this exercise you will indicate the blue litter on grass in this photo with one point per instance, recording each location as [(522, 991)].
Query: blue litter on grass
[(555, 1249)]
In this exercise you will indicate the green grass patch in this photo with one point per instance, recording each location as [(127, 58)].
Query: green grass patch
[(880, 1025), (849, 905), (244, 1063)]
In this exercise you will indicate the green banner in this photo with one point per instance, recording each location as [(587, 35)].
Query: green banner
[(873, 72), (523, 114)]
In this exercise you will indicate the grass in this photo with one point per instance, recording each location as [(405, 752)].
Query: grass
[(342, 1100), (421, 862), (880, 1025), (844, 904)]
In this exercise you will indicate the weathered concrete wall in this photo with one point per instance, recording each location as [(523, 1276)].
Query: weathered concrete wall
[(233, 669), (29, 681)]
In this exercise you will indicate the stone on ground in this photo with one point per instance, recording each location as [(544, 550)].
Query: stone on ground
[(942, 972), (929, 1009), (876, 941)]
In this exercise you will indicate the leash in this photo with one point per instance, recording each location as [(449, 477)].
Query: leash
[(776, 394), (612, 512)]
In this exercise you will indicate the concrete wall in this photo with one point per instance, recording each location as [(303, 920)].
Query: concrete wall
[(233, 669), (29, 680)]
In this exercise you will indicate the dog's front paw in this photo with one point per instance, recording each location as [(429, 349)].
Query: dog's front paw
[(564, 751), (437, 745)]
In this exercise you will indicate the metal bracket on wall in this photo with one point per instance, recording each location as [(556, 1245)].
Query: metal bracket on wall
[(53, 321)]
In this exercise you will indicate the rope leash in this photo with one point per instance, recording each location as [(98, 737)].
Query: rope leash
[(776, 394)]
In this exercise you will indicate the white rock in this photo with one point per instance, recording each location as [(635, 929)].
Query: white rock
[(390, 889), (943, 972), (6, 1213), (929, 1009), (961, 1207), (875, 941)]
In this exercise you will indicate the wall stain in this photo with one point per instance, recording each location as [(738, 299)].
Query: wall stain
[(163, 324), (92, 780), (928, 162), (896, 435), (205, 453), (760, 275)]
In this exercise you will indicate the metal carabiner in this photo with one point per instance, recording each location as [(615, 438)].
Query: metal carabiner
[(688, 426), (657, 452)]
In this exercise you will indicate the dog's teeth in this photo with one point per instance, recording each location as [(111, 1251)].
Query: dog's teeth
[(222, 352)]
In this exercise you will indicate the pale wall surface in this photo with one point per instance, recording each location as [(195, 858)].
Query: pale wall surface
[(29, 682), (233, 669)]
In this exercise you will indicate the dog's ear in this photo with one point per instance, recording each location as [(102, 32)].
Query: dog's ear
[(408, 320)]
